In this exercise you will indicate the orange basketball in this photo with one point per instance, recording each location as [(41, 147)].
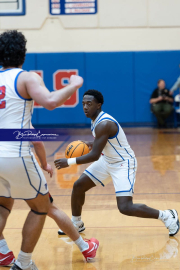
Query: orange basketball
[(76, 149)]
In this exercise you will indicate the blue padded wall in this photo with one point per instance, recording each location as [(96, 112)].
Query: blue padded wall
[(112, 74), (126, 80), (149, 67)]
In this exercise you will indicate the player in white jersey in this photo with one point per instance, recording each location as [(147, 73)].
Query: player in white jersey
[(113, 159), (20, 175), (62, 220)]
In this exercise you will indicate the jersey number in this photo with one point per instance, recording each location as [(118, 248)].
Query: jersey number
[(2, 96)]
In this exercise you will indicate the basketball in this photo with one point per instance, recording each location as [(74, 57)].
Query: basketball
[(76, 149)]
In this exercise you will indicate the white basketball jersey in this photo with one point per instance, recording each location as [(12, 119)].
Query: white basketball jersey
[(117, 147), (15, 113)]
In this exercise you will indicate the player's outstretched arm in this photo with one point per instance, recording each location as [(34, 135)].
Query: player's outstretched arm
[(102, 135), (50, 100)]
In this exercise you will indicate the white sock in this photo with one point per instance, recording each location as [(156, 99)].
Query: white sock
[(4, 247), (76, 219), (23, 259), (82, 245), (162, 215)]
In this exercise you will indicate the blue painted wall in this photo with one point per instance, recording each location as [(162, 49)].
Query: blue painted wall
[(126, 80)]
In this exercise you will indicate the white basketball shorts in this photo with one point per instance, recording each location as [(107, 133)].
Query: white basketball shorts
[(21, 178), (123, 175)]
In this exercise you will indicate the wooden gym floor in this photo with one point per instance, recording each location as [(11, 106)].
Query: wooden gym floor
[(125, 242)]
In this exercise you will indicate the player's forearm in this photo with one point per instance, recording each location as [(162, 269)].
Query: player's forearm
[(57, 98), (91, 157), (50, 100), (40, 152)]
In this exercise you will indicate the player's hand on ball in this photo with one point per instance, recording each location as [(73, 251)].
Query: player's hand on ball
[(76, 80), (61, 163), (89, 144)]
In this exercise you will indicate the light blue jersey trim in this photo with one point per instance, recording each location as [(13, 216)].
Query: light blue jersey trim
[(15, 86), (6, 70), (134, 174), (116, 150), (107, 118), (29, 149), (30, 198), (123, 147), (38, 191), (110, 138), (132, 185), (128, 174), (127, 152), (118, 142), (34, 197), (94, 177), (124, 190), (38, 174), (97, 120), (28, 176)]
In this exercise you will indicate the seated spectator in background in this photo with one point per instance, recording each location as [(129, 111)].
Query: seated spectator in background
[(175, 86), (161, 103)]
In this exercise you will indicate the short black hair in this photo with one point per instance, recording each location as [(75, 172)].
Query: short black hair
[(12, 49), (96, 94)]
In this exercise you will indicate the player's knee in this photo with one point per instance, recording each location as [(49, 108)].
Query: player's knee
[(40, 209), (40, 204), (39, 213), (5, 209), (78, 186), (125, 209), (6, 204), (52, 211), (122, 209)]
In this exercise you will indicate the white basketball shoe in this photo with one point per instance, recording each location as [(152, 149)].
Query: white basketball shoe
[(171, 221), (79, 225), (17, 266)]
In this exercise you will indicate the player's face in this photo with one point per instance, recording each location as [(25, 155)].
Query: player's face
[(90, 106)]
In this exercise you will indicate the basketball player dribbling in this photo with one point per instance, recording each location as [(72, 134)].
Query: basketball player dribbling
[(20, 175), (113, 159)]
